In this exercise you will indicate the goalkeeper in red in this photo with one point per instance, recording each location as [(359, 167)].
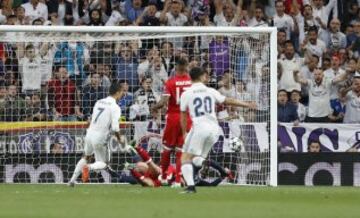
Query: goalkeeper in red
[(199, 100), (173, 138)]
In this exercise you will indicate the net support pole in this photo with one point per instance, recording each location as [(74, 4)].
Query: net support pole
[(273, 110)]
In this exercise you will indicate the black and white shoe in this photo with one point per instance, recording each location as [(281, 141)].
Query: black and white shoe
[(189, 190)]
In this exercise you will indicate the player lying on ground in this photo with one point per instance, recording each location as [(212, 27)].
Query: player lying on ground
[(200, 101), (147, 173), (104, 119)]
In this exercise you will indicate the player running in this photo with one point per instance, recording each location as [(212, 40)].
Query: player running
[(104, 119), (173, 138), (200, 101)]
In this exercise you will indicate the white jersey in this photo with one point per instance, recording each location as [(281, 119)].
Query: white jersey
[(105, 118), (200, 101), (352, 111)]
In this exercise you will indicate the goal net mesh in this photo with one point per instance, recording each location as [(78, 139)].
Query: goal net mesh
[(50, 81)]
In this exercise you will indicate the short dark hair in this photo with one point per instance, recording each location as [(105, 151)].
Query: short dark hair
[(115, 87), (313, 29), (315, 56), (296, 91), (314, 141), (29, 46), (181, 62), (281, 90), (196, 73), (123, 81)]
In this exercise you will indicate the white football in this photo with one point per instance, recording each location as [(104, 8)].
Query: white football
[(236, 144)]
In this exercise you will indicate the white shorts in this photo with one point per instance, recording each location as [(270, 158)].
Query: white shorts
[(200, 139), (98, 147)]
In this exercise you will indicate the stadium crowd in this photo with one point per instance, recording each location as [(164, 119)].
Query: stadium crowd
[(318, 58)]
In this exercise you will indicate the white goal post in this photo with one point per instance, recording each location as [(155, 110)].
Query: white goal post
[(256, 46)]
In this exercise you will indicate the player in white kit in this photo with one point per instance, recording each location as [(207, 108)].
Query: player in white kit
[(104, 120), (200, 100)]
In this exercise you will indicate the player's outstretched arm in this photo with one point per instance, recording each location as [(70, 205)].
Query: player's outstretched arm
[(238, 103)]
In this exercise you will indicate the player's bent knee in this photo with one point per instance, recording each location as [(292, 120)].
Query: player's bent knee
[(186, 157), (198, 161)]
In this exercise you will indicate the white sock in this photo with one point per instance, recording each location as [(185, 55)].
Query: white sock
[(98, 165), (82, 162), (188, 174)]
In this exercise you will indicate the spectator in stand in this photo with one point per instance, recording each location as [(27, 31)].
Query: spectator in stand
[(307, 71), (35, 9), (312, 45), (319, 94), (167, 56), (20, 15), (219, 52), (284, 21), (322, 12), (261, 95), (159, 75), (29, 70), (287, 112), (295, 98), (290, 62), (95, 18), (116, 18), (225, 13), (127, 100), (63, 98), (352, 97), (34, 110), (333, 38), (352, 38), (144, 98), (46, 58), (60, 12), (90, 94), (146, 65), (126, 66), (281, 39), (133, 9), (149, 17), (331, 73), (257, 16), (104, 73), (227, 85), (242, 95), (172, 14), (14, 105), (74, 56), (305, 21), (314, 146), (11, 20)]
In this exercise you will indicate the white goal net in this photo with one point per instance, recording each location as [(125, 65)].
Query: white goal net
[(50, 78)]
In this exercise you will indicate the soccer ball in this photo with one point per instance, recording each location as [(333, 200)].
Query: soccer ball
[(236, 144)]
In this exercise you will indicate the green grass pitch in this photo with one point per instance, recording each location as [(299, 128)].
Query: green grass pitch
[(122, 201)]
